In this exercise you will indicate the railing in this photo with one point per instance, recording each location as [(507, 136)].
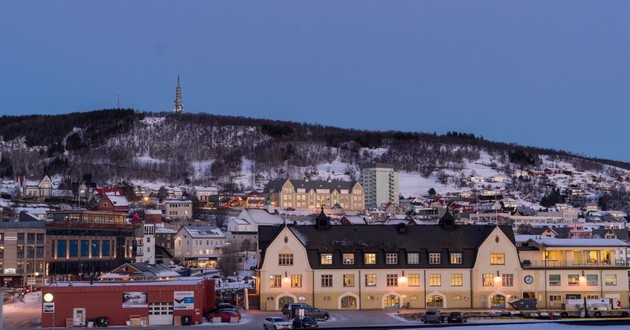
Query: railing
[(573, 264)]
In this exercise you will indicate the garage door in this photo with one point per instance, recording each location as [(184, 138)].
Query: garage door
[(161, 313)]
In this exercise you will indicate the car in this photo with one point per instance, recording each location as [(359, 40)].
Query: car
[(224, 315), (275, 323), (316, 313), (432, 316), (305, 323), (456, 317), (288, 309)]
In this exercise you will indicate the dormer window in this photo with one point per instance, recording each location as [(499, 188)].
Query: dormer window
[(435, 258), (326, 258)]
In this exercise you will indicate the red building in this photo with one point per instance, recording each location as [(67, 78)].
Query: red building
[(127, 303)]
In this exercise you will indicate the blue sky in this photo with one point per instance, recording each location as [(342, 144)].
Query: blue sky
[(551, 74)]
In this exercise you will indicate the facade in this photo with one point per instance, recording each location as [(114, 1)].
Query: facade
[(146, 246), (37, 190), (113, 203), (22, 252), (314, 194), (380, 184), (83, 244), (199, 246), (441, 266), (139, 303), (177, 209)]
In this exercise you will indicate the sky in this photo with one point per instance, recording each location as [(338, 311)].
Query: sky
[(551, 74)]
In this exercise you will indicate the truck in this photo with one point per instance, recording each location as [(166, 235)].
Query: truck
[(607, 307)]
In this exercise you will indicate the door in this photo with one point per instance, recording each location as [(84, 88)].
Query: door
[(161, 313), (78, 317)]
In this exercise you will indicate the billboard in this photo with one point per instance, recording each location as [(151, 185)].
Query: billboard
[(184, 300), (134, 299)]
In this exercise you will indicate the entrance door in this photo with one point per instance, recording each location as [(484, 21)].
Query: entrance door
[(435, 301), (161, 313), (497, 301), (78, 317), (392, 301), (285, 301), (349, 302)]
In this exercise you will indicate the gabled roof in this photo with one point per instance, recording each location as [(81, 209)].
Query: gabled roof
[(203, 231), (139, 270), (382, 239), (118, 201)]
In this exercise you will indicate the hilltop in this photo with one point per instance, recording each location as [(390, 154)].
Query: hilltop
[(242, 154)]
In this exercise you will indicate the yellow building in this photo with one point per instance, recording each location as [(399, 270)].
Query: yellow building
[(314, 194), (384, 266)]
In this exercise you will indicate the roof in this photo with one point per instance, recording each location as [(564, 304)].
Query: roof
[(261, 217), (276, 185), (120, 201), (140, 270), (578, 242), (382, 239), (204, 232)]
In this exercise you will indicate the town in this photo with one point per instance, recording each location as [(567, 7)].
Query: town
[(170, 254)]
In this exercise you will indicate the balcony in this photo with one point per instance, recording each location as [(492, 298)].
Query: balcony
[(574, 264)]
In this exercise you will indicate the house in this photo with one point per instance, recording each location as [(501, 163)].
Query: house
[(313, 194), (140, 271), (36, 190), (349, 220), (177, 209), (375, 266), (111, 202), (199, 246), (203, 193)]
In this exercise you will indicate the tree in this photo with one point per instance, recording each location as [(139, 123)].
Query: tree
[(246, 245), (432, 192), (228, 264)]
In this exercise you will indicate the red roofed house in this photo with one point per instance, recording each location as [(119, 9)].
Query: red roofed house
[(113, 203)]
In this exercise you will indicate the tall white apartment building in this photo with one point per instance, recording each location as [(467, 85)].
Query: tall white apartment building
[(380, 184)]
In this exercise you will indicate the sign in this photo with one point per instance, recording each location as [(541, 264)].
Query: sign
[(184, 300), (49, 307), (134, 299), (48, 297), (9, 270)]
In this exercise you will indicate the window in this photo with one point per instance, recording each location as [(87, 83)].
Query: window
[(434, 258), (61, 248), (554, 280), (413, 258), (574, 279), (456, 258), (555, 297), (370, 279), (326, 258), (488, 279), (610, 280), (327, 280), (592, 296), (370, 258), (296, 281), (392, 279), (592, 280), (497, 258), (435, 280), (285, 259), (348, 280), (348, 258), (85, 248), (275, 281), (74, 248), (105, 250), (391, 258), (413, 280), (457, 279), (507, 279)]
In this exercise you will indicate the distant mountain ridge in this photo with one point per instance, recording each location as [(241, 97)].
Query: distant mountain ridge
[(113, 145)]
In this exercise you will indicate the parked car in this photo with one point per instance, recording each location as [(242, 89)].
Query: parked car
[(287, 309), (224, 306), (456, 317), (275, 323), (316, 313), (432, 316), (225, 315), (305, 323)]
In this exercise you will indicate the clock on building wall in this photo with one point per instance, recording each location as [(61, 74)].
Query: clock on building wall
[(529, 279)]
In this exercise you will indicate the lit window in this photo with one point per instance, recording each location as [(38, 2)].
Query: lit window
[(275, 281), (457, 279), (296, 281), (456, 258), (348, 280), (413, 280), (497, 258), (435, 280), (488, 280), (348, 258), (326, 258), (370, 279), (370, 258)]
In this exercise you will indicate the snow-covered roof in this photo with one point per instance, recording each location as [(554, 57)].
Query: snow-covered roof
[(153, 212), (261, 217), (118, 200), (204, 232)]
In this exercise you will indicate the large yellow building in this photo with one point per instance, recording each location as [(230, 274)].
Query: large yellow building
[(315, 194), (444, 266)]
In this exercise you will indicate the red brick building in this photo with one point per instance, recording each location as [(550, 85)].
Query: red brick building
[(133, 303)]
